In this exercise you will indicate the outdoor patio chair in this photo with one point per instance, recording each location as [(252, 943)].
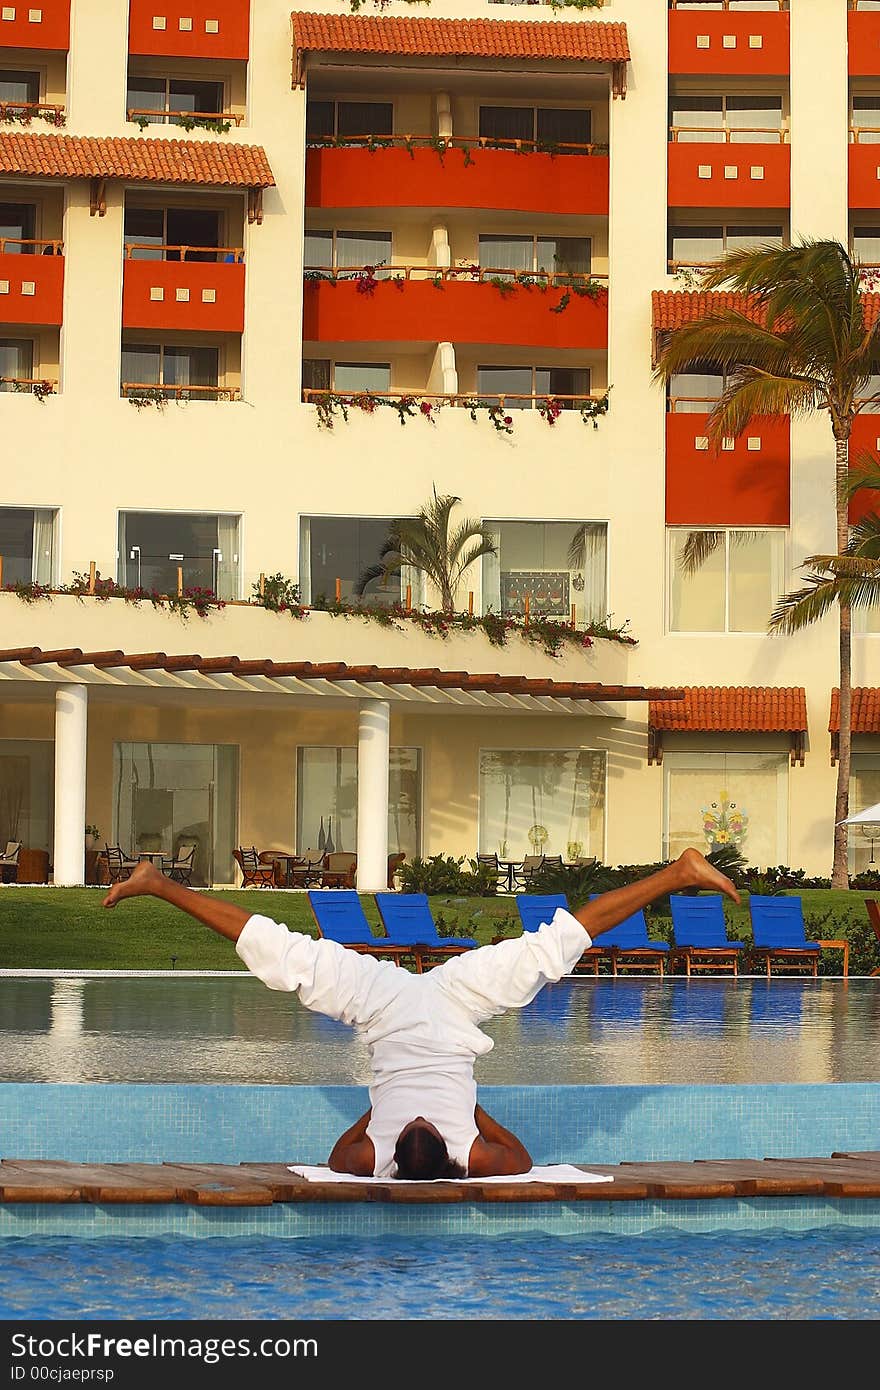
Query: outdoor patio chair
[(779, 935), (501, 872), (536, 909), (407, 920), (340, 917), (340, 870), (119, 865), (873, 910), (525, 872), (629, 947), (9, 860), (699, 931), (181, 866), (394, 863), (254, 874)]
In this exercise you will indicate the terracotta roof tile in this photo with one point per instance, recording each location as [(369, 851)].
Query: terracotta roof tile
[(139, 160), (865, 710), (671, 309), (589, 41), (733, 710)]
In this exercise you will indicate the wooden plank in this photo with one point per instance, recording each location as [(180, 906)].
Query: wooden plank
[(290, 1187), (19, 1183), (105, 1182), (870, 1154), (218, 1185)]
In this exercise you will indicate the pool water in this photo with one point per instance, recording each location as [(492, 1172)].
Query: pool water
[(820, 1274), (229, 1028)]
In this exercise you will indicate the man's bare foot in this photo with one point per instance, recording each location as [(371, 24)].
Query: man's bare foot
[(144, 879), (699, 873)]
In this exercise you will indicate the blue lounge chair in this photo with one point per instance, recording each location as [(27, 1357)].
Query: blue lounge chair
[(699, 930), (339, 916), (535, 909), (408, 922), (779, 935), (629, 947)]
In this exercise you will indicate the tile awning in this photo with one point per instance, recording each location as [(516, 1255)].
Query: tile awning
[(332, 677), (865, 714), (211, 163), (585, 41), (672, 309), (731, 710)]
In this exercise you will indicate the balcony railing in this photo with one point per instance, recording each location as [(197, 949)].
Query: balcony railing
[(152, 391), (734, 6), (496, 406), (583, 282), (440, 143), (23, 112), (678, 405), (190, 120), (727, 134), (223, 255), (31, 385), (36, 246)]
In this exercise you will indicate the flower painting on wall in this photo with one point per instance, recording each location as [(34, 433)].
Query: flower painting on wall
[(724, 822)]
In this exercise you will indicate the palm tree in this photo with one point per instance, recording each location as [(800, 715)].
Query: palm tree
[(430, 544), (800, 343)]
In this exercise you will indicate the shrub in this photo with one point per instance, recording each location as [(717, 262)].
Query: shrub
[(441, 873)]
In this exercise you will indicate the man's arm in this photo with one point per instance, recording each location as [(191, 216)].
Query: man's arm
[(353, 1152), (496, 1152)]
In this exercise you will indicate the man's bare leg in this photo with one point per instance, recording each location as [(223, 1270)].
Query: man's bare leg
[(690, 870), (147, 881)]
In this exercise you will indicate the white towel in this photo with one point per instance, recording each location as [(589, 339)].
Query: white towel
[(553, 1172)]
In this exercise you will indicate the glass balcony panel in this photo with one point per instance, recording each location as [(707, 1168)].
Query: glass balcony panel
[(705, 116), (349, 377), (16, 362), (754, 120)]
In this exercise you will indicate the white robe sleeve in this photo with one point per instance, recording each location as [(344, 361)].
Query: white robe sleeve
[(328, 978), (487, 981)]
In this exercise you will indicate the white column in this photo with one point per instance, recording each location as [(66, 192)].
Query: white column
[(71, 710), (374, 725)]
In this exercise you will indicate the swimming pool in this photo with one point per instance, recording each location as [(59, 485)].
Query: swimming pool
[(229, 1028)]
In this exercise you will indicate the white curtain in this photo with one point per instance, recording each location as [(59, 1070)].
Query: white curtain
[(305, 559), (44, 545), (227, 560), (595, 596), (492, 576), (122, 552)]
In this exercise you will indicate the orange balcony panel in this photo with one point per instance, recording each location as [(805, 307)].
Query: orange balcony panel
[(44, 24), (458, 312), (31, 289), (864, 175), (192, 295), (189, 28), (728, 43), (729, 176), (747, 485), (865, 438), (863, 35), (389, 178)]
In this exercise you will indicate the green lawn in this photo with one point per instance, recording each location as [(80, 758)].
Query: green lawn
[(67, 928)]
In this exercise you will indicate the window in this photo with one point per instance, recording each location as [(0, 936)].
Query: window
[(699, 246), (326, 800), (733, 584), (349, 549), (866, 244), (343, 250), (714, 799), (16, 362), (348, 118), (528, 254), (160, 99), (545, 125), (865, 118), (530, 383), (557, 564), (20, 89), (542, 801), (152, 546), (18, 222), (156, 234), (27, 791), (348, 378), (694, 393), (148, 364), (27, 544), (167, 796), (864, 791), (755, 120)]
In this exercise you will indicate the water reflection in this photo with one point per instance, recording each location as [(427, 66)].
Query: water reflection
[(231, 1029)]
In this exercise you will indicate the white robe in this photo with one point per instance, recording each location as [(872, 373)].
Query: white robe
[(421, 1031)]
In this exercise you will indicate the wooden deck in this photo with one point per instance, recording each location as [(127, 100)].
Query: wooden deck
[(262, 1184)]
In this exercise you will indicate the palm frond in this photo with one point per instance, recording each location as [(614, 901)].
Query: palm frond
[(801, 607), (696, 549)]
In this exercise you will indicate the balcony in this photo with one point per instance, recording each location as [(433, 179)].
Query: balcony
[(181, 293), (864, 166), (745, 483), (47, 26), (726, 43), (863, 42), (865, 438), (727, 174), (420, 172), (190, 28), (470, 305), (31, 284)]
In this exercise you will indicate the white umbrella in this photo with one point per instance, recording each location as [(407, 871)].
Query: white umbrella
[(870, 816)]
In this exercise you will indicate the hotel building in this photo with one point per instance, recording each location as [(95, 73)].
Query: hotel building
[(224, 229)]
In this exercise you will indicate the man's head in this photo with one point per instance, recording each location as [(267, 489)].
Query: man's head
[(421, 1153)]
